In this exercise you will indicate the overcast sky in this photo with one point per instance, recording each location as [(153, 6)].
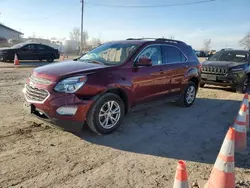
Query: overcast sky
[(224, 21)]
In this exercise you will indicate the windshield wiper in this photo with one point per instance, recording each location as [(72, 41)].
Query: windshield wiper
[(96, 62)]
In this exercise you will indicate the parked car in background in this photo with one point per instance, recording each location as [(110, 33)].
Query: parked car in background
[(29, 51), (201, 53), (197, 53), (227, 67), (102, 86), (212, 52)]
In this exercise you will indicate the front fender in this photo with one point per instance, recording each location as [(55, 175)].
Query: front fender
[(247, 70)]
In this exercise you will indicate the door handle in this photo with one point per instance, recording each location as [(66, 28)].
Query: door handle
[(158, 73)]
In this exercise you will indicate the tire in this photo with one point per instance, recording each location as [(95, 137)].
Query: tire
[(50, 59), (242, 88), (183, 101), (202, 84), (93, 119)]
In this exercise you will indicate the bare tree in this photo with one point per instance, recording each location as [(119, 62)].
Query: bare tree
[(95, 42), (245, 42), (207, 44), (75, 35), (85, 37), (171, 37), (33, 35)]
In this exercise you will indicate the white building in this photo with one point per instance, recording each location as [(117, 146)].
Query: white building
[(8, 35)]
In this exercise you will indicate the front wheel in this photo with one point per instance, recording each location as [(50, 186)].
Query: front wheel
[(188, 96), (106, 115), (202, 84), (242, 88)]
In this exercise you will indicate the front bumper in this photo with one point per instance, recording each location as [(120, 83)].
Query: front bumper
[(222, 80), (47, 110)]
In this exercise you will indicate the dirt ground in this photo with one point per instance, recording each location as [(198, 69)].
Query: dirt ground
[(142, 153)]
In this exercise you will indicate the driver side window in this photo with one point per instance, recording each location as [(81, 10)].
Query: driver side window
[(29, 47), (153, 53)]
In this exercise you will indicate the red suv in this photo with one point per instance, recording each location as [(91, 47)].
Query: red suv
[(102, 86)]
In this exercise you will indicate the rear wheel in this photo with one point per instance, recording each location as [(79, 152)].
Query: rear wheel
[(106, 115), (188, 96), (50, 58)]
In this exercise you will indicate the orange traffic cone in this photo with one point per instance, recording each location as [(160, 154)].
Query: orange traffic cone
[(246, 102), (240, 129), (222, 175), (62, 58), (16, 61), (181, 178)]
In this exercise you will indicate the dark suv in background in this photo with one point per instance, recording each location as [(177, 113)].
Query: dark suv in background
[(103, 85), (227, 67)]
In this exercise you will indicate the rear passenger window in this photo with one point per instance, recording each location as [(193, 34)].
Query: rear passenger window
[(41, 47), (173, 55)]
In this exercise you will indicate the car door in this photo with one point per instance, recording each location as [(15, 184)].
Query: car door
[(28, 52), (174, 69), (147, 80), (42, 51)]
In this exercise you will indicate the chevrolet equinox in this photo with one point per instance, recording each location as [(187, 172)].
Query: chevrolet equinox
[(103, 85)]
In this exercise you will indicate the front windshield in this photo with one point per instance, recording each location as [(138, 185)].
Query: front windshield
[(18, 45), (110, 53), (236, 56)]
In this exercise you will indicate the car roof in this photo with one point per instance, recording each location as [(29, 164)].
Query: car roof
[(234, 50), (35, 43), (141, 41)]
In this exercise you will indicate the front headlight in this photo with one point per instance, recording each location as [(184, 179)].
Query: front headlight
[(71, 85), (237, 69)]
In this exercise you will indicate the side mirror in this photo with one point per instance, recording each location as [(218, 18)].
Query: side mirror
[(144, 62)]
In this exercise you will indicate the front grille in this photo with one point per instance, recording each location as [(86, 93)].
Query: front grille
[(214, 70), (35, 94), (38, 80)]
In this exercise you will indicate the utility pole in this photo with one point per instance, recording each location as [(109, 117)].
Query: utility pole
[(81, 46)]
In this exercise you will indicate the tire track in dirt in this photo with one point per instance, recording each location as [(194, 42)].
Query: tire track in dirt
[(156, 136), (54, 168), (142, 153)]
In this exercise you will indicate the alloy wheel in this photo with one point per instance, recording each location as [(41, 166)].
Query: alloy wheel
[(109, 114), (190, 95)]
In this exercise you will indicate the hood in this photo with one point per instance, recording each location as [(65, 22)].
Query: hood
[(1, 49), (57, 70), (223, 64)]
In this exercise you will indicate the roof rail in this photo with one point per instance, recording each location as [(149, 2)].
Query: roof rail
[(158, 39), (170, 40), (141, 39), (226, 49)]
